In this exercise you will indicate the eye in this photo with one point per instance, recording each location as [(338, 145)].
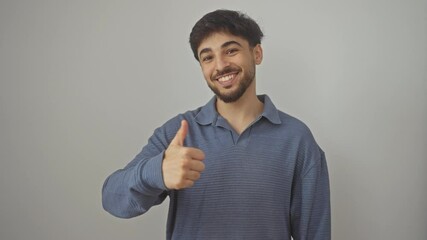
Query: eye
[(206, 58), (232, 51)]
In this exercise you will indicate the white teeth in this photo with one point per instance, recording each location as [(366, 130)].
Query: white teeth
[(226, 78)]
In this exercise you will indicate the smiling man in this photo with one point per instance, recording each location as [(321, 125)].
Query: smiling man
[(236, 168)]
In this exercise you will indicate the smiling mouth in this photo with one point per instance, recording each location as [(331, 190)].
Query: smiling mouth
[(226, 80), (227, 77)]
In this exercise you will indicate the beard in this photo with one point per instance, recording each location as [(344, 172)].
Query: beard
[(233, 96)]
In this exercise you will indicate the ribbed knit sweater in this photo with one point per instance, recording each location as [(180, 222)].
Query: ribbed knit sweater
[(269, 182)]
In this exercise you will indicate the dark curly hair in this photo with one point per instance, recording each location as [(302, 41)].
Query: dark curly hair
[(233, 22)]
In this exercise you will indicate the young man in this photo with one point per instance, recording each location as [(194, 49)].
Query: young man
[(236, 168)]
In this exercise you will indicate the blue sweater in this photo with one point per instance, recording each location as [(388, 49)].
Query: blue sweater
[(269, 182)]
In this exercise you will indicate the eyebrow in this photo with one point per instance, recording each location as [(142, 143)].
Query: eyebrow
[(224, 45)]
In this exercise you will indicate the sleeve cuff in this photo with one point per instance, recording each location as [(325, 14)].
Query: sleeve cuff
[(152, 173)]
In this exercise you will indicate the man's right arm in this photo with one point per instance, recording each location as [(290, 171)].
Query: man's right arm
[(164, 163), (132, 191)]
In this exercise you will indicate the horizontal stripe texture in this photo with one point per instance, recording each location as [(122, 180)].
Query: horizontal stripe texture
[(270, 182)]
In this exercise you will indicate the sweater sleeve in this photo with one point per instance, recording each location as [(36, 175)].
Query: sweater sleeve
[(310, 206), (132, 191)]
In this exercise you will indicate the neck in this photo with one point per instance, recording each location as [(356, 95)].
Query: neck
[(244, 111)]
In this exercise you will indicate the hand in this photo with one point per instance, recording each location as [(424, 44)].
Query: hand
[(182, 165)]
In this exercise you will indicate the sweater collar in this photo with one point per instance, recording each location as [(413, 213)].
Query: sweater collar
[(209, 115)]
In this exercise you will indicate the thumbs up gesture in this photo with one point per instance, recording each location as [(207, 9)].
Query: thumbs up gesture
[(182, 165)]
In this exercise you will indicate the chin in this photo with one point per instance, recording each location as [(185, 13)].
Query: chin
[(230, 97)]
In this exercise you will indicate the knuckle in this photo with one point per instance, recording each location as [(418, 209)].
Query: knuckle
[(185, 163), (189, 184), (178, 186), (184, 184), (185, 151), (182, 176), (200, 167)]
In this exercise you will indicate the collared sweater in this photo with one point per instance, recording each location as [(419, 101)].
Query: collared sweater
[(269, 182)]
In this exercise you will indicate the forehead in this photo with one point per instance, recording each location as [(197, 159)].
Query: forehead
[(215, 40)]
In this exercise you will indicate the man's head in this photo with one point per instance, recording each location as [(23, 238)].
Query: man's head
[(227, 46), (227, 21)]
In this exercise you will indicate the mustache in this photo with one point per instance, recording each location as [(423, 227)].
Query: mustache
[(225, 71)]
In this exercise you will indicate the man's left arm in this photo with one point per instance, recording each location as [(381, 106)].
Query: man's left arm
[(310, 207)]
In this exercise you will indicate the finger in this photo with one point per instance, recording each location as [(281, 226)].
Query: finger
[(197, 166), (181, 134), (193, 175), (196, 154), (187, 183)]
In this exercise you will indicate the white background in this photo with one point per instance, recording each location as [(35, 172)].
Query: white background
[(83, 84)]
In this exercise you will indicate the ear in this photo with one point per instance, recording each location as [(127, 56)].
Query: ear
[(257, 51)]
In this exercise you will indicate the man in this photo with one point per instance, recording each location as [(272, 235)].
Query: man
[(236, 168)]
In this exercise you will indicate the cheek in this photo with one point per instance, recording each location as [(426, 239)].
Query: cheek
[(207, 73)]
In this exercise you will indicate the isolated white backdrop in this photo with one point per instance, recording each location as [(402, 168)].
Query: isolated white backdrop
[(83, 84)]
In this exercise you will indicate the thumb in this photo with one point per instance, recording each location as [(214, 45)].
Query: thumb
[(181, 134)]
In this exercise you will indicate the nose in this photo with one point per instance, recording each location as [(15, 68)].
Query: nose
[(221, 63)]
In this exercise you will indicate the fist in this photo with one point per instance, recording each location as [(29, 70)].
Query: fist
[(182, 166)]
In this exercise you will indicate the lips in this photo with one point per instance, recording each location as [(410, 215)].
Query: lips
[(226, 80)]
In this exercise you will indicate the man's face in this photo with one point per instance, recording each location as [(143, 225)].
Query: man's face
[(228, 64)]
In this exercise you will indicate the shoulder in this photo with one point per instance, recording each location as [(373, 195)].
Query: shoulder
[(292, 123), (308, 152), (171, 126), (292, 127), (299, 133), (282, 125)]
